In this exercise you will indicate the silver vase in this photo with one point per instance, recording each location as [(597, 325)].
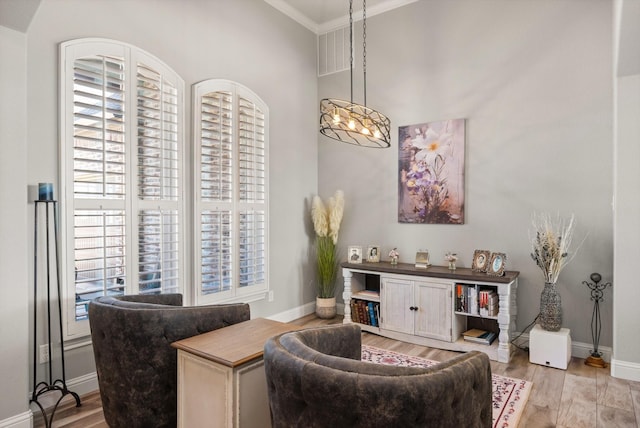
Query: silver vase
[(550, 308)]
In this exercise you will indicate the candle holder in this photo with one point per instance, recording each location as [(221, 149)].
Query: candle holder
[(597, 292)]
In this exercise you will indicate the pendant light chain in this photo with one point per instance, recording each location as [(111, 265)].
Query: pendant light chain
[(351, 45), (364, 47)]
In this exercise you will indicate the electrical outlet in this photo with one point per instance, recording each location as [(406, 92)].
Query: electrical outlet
[(44, 354), (271, 296)]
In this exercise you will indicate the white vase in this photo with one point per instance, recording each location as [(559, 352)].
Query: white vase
[(326, 307)]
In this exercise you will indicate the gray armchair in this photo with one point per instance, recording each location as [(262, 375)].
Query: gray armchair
[(315, 379), (136, 365)]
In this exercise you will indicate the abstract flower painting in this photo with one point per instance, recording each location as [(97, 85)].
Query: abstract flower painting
[(431, 172)]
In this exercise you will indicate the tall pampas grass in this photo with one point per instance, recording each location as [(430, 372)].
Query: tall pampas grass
[(326, 223)]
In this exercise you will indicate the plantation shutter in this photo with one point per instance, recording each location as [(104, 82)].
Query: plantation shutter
[(99, 128), (251, 169), (99, 172), (217, 185), (158, 180)]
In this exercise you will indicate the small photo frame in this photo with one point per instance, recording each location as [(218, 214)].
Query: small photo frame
[(373, 253), (497, 264), (422, 259), (481, 259), (354, 254)]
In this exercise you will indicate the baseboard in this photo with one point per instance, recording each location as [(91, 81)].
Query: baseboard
[(578, 349), (295, 313), (23, 420), (301, 311), (625, 370), (84, 384)]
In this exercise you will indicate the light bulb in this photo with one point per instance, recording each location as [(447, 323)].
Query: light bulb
[(376, 133), (365, 127), (352, 124), (336, 116)]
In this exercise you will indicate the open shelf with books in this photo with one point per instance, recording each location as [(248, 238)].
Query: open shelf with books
[(365, 312), (476, 300), (365, 301)]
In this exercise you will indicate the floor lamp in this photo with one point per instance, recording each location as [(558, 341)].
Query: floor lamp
[(597, 291)]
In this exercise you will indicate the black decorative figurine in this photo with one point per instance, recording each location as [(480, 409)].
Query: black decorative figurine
[(597, 289)]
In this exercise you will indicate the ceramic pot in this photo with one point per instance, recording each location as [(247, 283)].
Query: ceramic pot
[(326, 307), (550, 308)]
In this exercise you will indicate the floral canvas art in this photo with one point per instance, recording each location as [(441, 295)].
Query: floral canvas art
[(431, 172)]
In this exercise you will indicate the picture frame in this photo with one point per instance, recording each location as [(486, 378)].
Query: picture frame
[(354, 254), (373, 253), (481, 259), (497, 264), (422, 259)]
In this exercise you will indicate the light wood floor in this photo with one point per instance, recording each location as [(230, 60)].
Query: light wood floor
[(580, 396)]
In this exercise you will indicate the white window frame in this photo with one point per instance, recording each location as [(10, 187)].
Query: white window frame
[(236, 293), (132, 205)]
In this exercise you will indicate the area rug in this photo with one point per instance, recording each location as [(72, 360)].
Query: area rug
[(509, 395)]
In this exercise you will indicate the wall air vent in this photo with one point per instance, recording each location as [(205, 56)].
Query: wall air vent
[(333, 51)]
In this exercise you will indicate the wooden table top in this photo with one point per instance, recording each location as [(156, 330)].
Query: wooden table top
[(460, 274), (236, 344)]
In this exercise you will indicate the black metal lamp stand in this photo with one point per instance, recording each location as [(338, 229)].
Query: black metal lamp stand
[(59, 384), (597, 291)]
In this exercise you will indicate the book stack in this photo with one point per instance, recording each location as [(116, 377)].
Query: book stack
[(488, 303), (476, 335), (365, 312), (467, 299), (367, 294)]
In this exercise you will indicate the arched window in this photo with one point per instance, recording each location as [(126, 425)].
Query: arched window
[(231, 192), (122, 175)]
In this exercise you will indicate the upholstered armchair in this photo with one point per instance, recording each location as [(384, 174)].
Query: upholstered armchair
[(315, 379), (135, 362)]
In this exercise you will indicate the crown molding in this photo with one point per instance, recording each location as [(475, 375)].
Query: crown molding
[(325, 27), (294, 14)]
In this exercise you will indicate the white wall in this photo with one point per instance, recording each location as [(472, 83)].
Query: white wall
[(247, 41), (534, 81), (626, 352), (14, 286)]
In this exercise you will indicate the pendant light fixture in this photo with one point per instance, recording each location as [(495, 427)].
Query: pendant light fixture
[(354, 123)]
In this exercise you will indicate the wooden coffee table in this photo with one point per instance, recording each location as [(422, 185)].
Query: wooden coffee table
[(221, 379)]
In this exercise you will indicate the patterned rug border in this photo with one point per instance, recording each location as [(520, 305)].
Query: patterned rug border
[(514, 392)]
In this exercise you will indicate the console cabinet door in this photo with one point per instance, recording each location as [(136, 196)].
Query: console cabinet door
[(435, 306), (396, 299)]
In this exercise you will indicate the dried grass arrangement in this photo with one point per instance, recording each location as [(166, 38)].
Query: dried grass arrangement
[(551, 243), (326, 223)]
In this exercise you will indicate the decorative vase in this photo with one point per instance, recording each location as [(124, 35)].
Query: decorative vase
[(452, 265), (550, 308), (326, 307)]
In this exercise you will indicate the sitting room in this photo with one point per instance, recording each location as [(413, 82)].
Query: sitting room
[(468, 168)]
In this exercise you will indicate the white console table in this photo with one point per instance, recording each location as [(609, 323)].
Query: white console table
[(417, 305)]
